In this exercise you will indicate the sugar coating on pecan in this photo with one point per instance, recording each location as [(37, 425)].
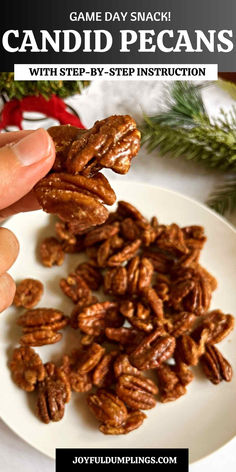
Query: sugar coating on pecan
[(75, 287), (218, 324), (154, 349), (170, 385), (136, 391), (51, 252), (27, 368), (110, 143), (107, 408), (95, 318), (215, 366), (40, 337), (134, 420), (28, 293)]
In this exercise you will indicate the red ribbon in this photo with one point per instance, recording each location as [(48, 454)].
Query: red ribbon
[(12, 113)]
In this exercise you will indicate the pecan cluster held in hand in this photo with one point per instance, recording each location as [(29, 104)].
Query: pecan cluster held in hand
[(74, 189), (151, 311)]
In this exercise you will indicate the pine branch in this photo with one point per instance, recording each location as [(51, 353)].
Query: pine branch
[(185, 130), (19, 89), (223, 200)]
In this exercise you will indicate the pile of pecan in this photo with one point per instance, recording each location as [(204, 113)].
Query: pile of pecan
[(141, 304), (75, 189)]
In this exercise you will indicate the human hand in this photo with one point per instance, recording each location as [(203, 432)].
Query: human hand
[(25, 157)]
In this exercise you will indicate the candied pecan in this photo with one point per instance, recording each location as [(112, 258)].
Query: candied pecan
[(162, 286), (88, 358), (190, 351), (129, 229), (63, 136), (194, 236), (58, 375), (90, 274), (191, 291), (136, 391), (171, 388), (27, 368), (154, 349), (138, 315), (160, 262), (183, 372), (122, 366), (77, 200), (78, 382), (40, 337), (28, 293), (125, 254), (128, 337), (100, 234), (150, 297), (215, 366), (218, 325), (95, 318), (188, 260), (103, 375), (139, 273), (51, 252), (64, 233), (42, 319), (103, 253), (75, 287), (134, 420), (126, 210), (81, 304), (172, 240), (181, 323), (51, 400), (107, 407), (110, 143), (115, 281)]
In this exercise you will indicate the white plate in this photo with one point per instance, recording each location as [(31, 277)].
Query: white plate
[(203, 420)]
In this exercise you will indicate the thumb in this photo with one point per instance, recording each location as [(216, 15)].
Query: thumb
[(23, 163)]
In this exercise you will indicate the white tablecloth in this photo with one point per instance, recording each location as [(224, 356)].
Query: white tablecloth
[(98, 101)]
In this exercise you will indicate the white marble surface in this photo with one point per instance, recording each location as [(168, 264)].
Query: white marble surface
[(98, 101)]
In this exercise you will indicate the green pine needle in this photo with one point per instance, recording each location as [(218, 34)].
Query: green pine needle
[(223, 200), (18, 89), (185, 130)]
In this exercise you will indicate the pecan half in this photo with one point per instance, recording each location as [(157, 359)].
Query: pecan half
[(115, 281), (42, 319), (190, 351), (125, 254), (95, 318), (28, 293), (77, 200), (100, 234), (122, 366), (139, 273), (89, 357), (191, 291), (138, 315), (134, 420), (75, 287), (110, 143), (51, 400), (171, 388), (125, 209), (172, 240), (51, 252), (27, 368), (103, 375), (218, 325), (107, 407), (136, 391), (153, 350), (181, 323), (40, 337), (78, 382), (215, 366)]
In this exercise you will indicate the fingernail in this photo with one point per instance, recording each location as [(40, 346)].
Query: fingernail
[(33, 148)]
